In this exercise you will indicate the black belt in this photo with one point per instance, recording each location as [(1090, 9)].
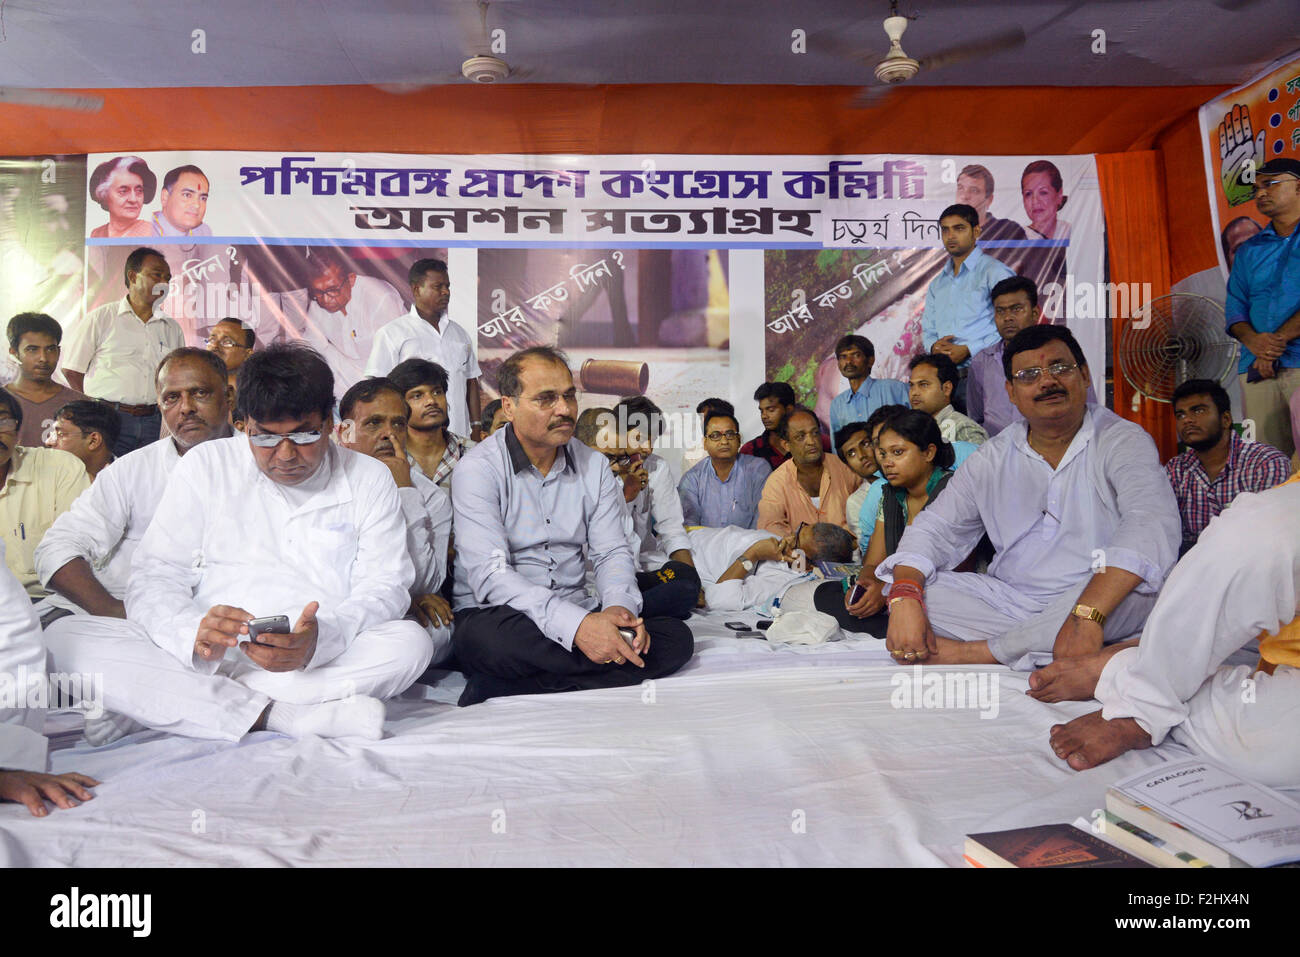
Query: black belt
[(140, 411)]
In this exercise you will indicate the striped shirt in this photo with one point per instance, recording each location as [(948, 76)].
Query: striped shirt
[(1251, 467)]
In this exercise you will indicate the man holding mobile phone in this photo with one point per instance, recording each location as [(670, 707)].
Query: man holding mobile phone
[(531, 505), (276, 521)]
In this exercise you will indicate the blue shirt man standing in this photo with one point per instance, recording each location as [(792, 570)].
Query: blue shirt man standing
[(958, 318)]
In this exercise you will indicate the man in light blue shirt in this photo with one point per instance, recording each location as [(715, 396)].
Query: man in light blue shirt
[(531, 505), (1263, 305), (856, 355), (958, 318), (724, 488)]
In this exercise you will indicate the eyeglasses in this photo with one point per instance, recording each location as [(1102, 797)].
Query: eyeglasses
[(61, 433), (618, 458), (1057, 370), (330, 292), (1270, 183), (269, 440), (225, 342), (1019, 309), (730, 434), (8, 425), (546, 401)]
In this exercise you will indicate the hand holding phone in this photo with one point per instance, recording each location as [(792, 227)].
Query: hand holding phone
[(271, 625)]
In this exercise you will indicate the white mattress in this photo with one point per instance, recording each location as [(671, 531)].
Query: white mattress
[(752, 755)]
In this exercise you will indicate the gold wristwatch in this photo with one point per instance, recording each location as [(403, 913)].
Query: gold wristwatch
[(1089, 613)]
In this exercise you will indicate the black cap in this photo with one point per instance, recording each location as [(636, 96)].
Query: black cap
[(1280, 165)]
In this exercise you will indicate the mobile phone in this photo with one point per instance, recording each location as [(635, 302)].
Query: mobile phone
[(737, 626), (627, 634), (272, 625), (858, 591), (765, 624)]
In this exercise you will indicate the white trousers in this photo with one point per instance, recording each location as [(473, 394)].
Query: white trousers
[(1242, 579), (149, 685), (1020, 630)]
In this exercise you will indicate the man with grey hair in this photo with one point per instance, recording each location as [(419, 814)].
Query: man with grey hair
[(744, 569)]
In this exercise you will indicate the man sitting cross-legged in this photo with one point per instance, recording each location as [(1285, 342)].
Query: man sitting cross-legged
[(531, 505), (85, 557), (374, 415), (277, 521), (1080, 514), (1240, 581)]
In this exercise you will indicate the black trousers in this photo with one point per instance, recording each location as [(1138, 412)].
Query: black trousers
[(670, 592), (829, 597), (503, 652)]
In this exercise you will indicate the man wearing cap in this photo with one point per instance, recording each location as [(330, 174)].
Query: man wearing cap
[(1263, 305)]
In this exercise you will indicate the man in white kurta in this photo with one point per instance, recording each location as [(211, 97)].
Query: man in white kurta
[(426, 332), (767, 564), (346, 311), (85, 557), (23, 746), (295, 528), (1240, 582), (1097, 526)]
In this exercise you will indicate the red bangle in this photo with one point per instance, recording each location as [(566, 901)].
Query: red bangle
[(906, 589)]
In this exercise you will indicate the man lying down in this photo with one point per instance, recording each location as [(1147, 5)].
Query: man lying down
[(744, 569), (279, 523)]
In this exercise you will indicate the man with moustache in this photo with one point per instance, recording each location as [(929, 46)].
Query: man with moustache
[(34, 342), (1080, 514), (1263, 305), (85, 557), (811, 487), (373, 417), (233, 342), (958, 317), (113, 353), (855, 356), (425, 332), (1217, 466), (282, 521), (430, 444), (532, 506)]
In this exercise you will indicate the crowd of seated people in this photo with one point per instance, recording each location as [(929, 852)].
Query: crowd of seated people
[(1037, 531)]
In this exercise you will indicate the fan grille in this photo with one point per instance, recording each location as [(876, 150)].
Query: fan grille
[(1172, 339)]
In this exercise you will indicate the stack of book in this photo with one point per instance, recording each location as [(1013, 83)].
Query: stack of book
[(1184, 814), (1196, 814)]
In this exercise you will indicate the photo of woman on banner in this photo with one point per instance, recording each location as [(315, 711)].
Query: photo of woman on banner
[(123, 186)]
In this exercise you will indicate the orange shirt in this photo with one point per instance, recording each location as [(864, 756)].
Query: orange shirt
[(785, 504)]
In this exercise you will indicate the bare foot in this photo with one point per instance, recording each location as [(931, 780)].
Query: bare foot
[(953, 652), (1072, 679), (1092, 740)]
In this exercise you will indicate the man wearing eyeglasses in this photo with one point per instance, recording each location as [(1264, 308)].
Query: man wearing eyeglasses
[(532, 505), (344, 314), (1081, 516), (313, 543), (233, 342), (1263, 305), (724, 488), (85, 557)]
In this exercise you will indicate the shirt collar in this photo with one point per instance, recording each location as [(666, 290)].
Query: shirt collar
[(124, 309), (22, 465), (519, 461), (968, 263)]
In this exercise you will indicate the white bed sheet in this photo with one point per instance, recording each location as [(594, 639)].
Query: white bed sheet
[(753, 755)]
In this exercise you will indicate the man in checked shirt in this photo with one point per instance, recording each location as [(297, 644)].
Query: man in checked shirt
[(1217, 466)]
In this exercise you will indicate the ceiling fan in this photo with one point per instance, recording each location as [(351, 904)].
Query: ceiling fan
[(481, 65), (51, 98), (897, 67)]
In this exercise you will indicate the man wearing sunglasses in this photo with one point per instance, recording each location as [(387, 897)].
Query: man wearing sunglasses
[(532, 506), (276, 522), (1263, 305), (1080, 514)]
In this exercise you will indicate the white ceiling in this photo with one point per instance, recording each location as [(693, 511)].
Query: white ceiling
[(148, 43)]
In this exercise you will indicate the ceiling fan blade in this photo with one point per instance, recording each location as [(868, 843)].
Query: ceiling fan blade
[(471, 21), (51, 98), (1006, 40), (872, 97)]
